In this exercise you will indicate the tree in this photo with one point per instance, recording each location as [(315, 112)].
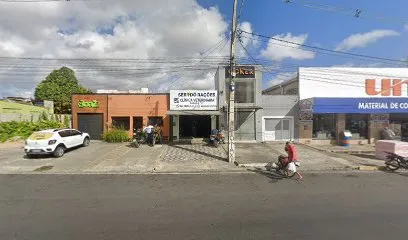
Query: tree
[(58, 86)]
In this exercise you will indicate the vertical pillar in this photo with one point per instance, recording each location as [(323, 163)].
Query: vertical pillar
[(340, 125), (305, 120), (176, 128), (376, 123), (305, 131), (131, 126), (213, 122)]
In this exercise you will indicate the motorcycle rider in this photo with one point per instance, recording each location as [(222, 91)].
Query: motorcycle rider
[(292, 157)]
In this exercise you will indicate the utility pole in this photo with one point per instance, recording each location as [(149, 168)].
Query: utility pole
[(231, 119)]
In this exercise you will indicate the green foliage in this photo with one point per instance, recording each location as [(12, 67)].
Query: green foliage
[(58, 86), (116, 135), (44, 116), (67, 121), (24, 129)]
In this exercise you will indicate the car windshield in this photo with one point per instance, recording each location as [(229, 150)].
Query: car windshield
[(40, 136)]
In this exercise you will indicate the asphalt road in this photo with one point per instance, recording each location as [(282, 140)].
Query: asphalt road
[(230, 206)]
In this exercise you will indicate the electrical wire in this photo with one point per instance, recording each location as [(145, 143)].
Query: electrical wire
[(324, 49), (211, 50), (240, 10), (355, 12)]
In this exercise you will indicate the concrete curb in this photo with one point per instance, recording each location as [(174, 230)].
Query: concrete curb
[(263, 165), (125, 173), (346, 168), (371, 168)]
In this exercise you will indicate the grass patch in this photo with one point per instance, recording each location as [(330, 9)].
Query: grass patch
[(43, 168)]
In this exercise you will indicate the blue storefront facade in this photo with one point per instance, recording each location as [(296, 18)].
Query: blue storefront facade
[(360, 100)]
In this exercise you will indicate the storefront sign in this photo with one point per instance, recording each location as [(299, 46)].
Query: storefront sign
[(90, 104), (241, 72), (387, 87), (360, 105), (353, 83), (193, 100)]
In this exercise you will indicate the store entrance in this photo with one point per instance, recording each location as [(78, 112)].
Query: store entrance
[(195, 126)]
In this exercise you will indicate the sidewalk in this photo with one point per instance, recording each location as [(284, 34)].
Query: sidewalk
[(355, 149), (120, 158), (105, 158), (310, 158)]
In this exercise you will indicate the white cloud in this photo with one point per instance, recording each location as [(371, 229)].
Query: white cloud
[(361, 40), (116, 29), (278, 51), (406, 26), (282, 77)]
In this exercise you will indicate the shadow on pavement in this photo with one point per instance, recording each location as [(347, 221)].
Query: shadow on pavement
[(201, 153), (274, 176), (397, 172), (49, 155)]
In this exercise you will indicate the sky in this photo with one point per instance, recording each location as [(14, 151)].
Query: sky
[(178, 44)]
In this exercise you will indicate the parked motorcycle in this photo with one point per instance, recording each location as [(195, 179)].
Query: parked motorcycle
[(281, 166), (395, 161), (216, 137), (138, 138), (151, 138)]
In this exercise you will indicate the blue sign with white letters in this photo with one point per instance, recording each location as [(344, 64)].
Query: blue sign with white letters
[(360, 105)]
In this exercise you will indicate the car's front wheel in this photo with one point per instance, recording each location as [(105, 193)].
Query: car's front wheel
[(86, 142), (59, 151)]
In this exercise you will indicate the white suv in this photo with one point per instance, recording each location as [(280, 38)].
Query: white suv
[(55, 141)]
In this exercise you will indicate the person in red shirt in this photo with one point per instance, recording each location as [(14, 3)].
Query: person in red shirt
[(292, 156)]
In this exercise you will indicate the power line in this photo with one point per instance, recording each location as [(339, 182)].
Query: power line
[(175, 58), (325, 49), (240, 10), (209, 51), (332, 54), (355, 12)]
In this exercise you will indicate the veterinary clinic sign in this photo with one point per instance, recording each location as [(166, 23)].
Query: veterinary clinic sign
[(193, 100), (90, 104)]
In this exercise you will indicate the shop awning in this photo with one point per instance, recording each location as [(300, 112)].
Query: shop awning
[(200, 113)]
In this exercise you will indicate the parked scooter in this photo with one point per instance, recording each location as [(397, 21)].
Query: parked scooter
[(395, 161), (216, 137)]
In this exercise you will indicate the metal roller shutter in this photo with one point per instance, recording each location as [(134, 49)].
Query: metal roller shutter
[(92, 124)]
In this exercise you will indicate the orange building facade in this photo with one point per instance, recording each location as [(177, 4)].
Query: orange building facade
[(96, 113)]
